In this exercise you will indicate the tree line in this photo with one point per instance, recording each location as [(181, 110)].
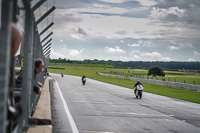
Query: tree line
[(167, 65)]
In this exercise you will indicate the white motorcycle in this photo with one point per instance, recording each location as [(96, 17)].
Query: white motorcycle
[(138, 91)]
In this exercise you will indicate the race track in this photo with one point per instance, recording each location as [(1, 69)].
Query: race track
[(99, 107)]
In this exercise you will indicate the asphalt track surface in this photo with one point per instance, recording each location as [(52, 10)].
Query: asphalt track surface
[(99, 107)]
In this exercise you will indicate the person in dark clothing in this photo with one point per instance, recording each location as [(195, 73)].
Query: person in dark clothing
[(83, 79), (38, 68), (136, 84)]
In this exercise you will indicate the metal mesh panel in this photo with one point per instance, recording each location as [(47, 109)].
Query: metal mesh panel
[(31, 50), (4, 62), (0, 12)]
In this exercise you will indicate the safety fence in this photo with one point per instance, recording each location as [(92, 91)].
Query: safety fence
[(158, 82), (17, 98), (143, 75)]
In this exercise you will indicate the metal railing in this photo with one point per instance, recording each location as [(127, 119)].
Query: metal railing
[(19, 12)]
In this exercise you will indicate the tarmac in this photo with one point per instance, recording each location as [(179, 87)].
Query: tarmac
[(41, 122), (99, 107)]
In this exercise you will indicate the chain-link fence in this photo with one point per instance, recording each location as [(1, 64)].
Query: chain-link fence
[(143, 75), (17, 98)]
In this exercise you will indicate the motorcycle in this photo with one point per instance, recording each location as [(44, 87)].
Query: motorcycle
[(62, 74), (138, 91), (84, 81)]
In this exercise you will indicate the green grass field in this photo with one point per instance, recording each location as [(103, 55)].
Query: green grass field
[(186, 95)]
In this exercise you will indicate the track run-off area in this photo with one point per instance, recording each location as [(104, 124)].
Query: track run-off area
[(99, 107)]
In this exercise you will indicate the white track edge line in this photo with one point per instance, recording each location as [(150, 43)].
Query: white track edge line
[(71, 120)]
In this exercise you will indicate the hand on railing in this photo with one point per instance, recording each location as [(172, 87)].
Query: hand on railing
[(39, 91), (39, 84)]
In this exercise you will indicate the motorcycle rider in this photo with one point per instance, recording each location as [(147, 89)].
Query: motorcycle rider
[(136, 84), (83, 79), (62, 74)]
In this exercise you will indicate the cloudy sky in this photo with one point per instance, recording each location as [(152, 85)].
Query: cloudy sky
[(127, 30)]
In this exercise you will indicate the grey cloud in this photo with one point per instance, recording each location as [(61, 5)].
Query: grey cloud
[(104, 14), (176, 3), (67, 4), (65, 18), (122, 32), (88, 3), (140, 32), (81, 31), (127, 4), (191, 8), (131, 14)]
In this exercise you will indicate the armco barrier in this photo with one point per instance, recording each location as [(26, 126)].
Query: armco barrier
[(113, 76), (169, 84)]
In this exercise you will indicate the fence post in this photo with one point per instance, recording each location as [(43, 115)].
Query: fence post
[(5, 60), (28, 66)]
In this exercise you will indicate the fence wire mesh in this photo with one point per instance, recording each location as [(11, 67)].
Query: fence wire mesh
[(12, 89)]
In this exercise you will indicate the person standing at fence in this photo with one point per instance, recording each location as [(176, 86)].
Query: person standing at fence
[(13, 105), (38, 69), (16, 38)]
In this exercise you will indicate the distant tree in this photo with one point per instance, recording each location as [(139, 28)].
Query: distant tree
[(156, 71), (139, 67)]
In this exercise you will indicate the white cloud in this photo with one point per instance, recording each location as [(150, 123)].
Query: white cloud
[(56, 55), (191, 59), (145, 43), (64, 49), (79, 37), (166, 59), (116, 49), (136, 56), (133, 54), (186, 45), (133, 45), (147, 2), (97, 51), (61, 40), (196, 53), (75, 52), (162, 13), (173, 48), (121, 41), (153, 54), (114, 1)]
